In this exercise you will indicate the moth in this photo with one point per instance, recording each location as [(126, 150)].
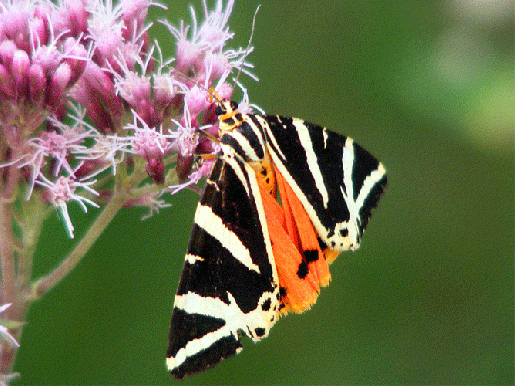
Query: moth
[(283, 199)]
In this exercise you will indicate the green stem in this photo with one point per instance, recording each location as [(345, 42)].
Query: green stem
[(8, 251), (7, 236), (7, 246), (35, 212)]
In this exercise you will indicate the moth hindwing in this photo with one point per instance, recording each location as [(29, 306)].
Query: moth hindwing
[(253, 255)]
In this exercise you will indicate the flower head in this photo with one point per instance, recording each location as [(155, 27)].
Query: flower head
[(202, 51), (141, 107), (61, 191)]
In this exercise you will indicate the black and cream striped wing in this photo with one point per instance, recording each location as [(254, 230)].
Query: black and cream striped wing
[(229, 282), (337, 181)]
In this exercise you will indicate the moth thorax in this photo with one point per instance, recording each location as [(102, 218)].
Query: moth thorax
[(265, 175)]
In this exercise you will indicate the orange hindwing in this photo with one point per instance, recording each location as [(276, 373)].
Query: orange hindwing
[(301, 265)]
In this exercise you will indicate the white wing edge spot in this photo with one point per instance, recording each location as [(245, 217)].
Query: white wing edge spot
[(192, 259), (326, 136)]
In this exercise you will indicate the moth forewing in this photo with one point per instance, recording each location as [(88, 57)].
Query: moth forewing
[(229, 282)]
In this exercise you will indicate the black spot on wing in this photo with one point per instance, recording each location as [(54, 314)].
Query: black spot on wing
[(310, 255), (186, 327), (204, 359), (229, 121), (280, 296), (266, 305), (303, 270), (224, 297)]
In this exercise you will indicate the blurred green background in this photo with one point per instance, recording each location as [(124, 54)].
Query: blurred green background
[(425, 86)]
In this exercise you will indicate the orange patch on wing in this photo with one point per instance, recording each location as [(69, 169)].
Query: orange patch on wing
[(301, 265), (296, 295)]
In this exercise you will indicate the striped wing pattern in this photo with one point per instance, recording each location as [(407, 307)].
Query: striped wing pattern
[(229, 282), (337, 181)]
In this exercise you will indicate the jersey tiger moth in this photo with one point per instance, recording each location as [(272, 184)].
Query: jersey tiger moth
[(283, 199)]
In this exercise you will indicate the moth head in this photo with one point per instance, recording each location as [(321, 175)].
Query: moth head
[(227, 111)]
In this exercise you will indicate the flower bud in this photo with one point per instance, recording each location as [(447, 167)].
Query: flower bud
[(58, 83), (7, 50), (20, 72), (39, 31), (183, 167), (78, 17), (37, 84), (76, 58), (155, 169)]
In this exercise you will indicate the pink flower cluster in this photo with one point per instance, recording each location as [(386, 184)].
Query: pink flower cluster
[(40, 60), (83, 90)]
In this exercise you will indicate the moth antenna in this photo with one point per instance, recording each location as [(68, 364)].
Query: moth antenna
[(213, 95), (248, 45)]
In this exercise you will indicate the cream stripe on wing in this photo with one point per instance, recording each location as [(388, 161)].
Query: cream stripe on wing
[(312, 159), (206, 219), (368, 184)]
